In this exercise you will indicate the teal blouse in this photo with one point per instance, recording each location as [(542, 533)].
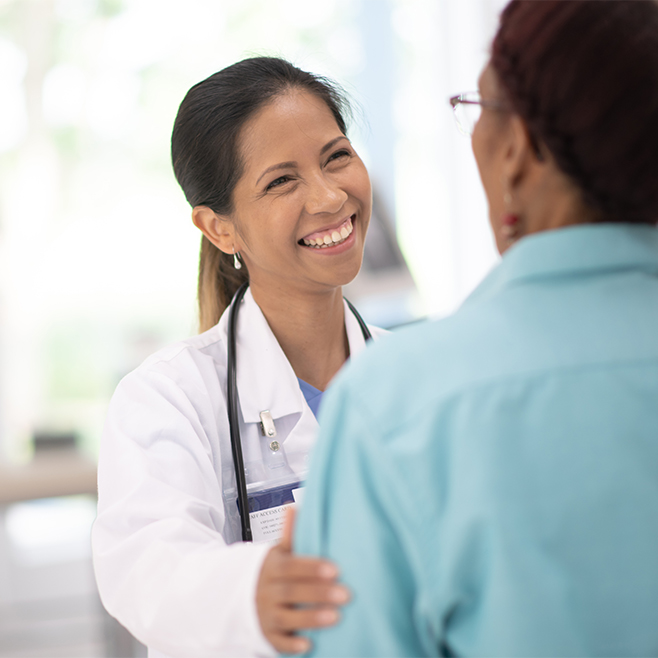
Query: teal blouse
[(488, 483)]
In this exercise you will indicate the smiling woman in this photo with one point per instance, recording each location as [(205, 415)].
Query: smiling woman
[(283, 201), (302, 186)]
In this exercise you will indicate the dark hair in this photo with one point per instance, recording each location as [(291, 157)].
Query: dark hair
[(207, 164), (584, 78)]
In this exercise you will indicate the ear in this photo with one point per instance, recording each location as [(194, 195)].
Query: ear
[(521, 154), (217, 228)]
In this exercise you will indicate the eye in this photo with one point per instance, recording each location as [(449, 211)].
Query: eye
[(341, 153), (277, 182)]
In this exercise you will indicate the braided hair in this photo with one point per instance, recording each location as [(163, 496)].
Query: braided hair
[(584, 78)]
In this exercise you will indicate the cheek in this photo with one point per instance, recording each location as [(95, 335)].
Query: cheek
[(359, 186), (479, 149), (484, 153)]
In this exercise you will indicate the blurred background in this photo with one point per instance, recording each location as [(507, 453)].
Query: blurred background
[(98, 254)]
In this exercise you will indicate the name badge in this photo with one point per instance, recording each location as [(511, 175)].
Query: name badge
[(267, 510)]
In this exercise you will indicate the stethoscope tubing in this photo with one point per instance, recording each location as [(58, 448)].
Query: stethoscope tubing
[(232, 400), (233, 423)]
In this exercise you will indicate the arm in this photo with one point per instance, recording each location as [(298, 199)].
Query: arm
[(353, 514), (296, 593), (162, 565)]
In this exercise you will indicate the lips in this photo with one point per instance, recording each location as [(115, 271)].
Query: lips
[(329, 237)]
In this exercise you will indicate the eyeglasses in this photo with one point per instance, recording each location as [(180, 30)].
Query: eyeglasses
[(468, 107)]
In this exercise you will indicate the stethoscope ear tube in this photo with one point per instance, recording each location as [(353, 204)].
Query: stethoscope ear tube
[(233, 422)]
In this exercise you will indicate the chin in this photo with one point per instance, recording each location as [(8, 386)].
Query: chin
[(347, 274)]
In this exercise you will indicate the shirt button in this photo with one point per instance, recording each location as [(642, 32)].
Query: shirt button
[(274, 446)]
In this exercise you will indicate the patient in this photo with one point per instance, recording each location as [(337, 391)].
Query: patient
[(488, 483)]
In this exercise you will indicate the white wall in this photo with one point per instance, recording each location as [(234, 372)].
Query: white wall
[(97, 252)]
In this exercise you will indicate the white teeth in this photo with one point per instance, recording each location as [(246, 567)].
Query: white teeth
[(336, 237)]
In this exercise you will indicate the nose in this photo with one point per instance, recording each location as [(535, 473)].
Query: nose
[(325, 196)]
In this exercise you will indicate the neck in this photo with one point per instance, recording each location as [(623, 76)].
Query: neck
[(559, 212), (310, 328), (553, 202)]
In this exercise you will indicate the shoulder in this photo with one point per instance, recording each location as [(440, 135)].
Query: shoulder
[(433, 347), (207, 343), (188, 366), (378, 332), (419, 366)]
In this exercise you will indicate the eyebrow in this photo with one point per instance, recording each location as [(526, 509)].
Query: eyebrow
[(290, 164)]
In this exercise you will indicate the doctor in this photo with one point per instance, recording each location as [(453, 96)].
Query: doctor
[(283, 202)]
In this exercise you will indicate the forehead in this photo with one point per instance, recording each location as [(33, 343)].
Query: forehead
[(285, 127)]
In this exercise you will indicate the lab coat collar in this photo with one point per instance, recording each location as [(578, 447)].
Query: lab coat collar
[(265, 379)]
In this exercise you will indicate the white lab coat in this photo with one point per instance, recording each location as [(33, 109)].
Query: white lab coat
[(165, 554)]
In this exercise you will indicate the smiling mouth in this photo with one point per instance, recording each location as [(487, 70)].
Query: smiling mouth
[(330, 237)]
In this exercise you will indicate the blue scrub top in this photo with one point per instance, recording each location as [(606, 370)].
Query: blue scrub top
[(312, 395), (488, 483)]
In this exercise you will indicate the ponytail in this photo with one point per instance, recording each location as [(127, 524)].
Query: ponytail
[(218, 282)]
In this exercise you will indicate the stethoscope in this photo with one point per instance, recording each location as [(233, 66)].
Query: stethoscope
[(232, 395)]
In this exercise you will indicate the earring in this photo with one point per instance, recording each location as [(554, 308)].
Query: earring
[(236, 260), (509, 221), (509, 227)]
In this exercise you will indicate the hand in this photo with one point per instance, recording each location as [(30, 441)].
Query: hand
[(296, 593)]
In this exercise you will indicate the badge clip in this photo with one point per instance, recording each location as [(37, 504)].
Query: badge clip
[(267, 424)]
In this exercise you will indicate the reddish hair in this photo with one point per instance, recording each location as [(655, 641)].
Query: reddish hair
[(584, 77)]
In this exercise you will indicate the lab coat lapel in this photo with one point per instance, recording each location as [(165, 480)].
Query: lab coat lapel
[(265, 378)]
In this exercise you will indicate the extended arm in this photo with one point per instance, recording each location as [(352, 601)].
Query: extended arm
[(161, 562)]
